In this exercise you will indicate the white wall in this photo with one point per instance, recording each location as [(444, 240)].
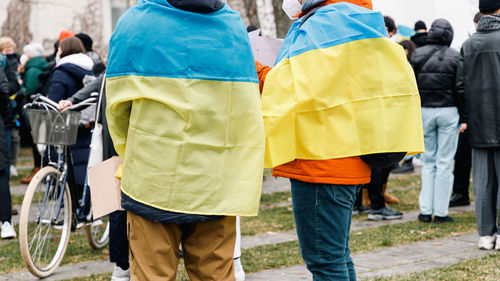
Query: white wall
[(459, 12)]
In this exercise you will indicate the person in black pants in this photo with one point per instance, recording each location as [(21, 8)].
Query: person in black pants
[(378, 208), (463, 165)]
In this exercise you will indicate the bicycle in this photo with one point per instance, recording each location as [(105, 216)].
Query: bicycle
[(51, 209)]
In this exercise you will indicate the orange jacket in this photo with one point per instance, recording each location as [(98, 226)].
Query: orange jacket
[(344, 171)]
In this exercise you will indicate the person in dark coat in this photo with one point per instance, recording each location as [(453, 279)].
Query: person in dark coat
[(420, 37), (435, 67), (463, 161), (14, 104), (5, 199), (478, 81), (71, 68)]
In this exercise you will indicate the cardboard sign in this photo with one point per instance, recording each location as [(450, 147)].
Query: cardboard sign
[(104, 187), (265, 50)]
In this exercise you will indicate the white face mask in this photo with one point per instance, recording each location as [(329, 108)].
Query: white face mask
[(292, 8), (23, 59)]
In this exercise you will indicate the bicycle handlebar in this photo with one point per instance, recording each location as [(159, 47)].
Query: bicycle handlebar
[(87, 102), (39, 99)]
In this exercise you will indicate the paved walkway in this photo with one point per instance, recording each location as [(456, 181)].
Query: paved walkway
[(19, 189), (392, 261), (273, 185)]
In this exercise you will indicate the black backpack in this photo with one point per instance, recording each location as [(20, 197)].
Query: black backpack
[(383, 160)]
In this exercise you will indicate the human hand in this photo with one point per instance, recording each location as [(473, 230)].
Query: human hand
[(63, 104), (462, 128), (89, 124)]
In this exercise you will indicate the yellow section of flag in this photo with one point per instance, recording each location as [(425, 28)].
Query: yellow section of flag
[(352, 99)]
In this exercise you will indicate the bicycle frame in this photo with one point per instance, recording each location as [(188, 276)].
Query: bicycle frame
[(64, 165)]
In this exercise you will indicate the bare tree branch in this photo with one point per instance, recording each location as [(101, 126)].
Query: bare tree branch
[(17, 24)]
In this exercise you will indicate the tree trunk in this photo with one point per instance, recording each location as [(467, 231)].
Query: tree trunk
[(283, 23), (251, 12), (17, 24), (89, 21), (266, 18)]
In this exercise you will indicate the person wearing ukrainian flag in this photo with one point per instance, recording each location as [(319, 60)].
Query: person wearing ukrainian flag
[(340, 89), (184, 113)]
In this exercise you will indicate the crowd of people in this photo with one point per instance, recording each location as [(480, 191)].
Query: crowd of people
[(460, 120), (194, 132)]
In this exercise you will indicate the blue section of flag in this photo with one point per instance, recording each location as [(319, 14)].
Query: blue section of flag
[(405, 31), (332, 25), (156, 39)]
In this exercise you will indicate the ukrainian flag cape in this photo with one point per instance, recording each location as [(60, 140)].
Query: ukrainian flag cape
[(183, 108), (340, 88)]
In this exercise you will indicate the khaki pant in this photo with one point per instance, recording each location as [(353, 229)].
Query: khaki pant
[(207, 248)]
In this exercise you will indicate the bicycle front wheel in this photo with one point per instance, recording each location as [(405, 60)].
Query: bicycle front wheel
[(97, 232), (45, 222)]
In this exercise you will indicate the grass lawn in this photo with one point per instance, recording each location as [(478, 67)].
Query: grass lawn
[(485, 268), (274, 220), (15, 180), (25, 152), (17, 200), (78, 251), (404, 181), (269, 200)]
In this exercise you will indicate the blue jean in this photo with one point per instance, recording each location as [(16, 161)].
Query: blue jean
[(323, 221), (441, 140)]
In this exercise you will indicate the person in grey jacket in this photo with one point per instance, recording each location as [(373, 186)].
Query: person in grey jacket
[(478, 80)]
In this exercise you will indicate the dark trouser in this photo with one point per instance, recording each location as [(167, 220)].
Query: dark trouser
[(37, 159), (463, 165), (118, 242), (486, 176), (375, 187), (5, 200), (323, 221)]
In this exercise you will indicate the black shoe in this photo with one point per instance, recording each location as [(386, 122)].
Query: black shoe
[(385, 213), (363, 209), (407, 167), (458, 199), (442, 219), (424, 218)]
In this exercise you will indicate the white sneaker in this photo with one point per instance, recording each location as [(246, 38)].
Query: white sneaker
[(487, 242), (120, 274), (497, 246), (8, 231), (239, 273), (13, 171)]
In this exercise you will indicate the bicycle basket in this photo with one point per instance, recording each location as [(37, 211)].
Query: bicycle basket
[(54, 128)]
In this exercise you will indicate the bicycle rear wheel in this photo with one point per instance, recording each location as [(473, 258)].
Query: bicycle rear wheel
[(43, 236), (97, 232)]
